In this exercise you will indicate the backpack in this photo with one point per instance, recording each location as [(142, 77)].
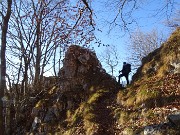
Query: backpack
[(128, 67)]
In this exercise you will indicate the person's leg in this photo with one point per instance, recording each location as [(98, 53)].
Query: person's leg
[(119, 79), (121, 75), (126, 76)]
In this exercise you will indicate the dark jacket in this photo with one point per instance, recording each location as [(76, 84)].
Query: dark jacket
[(125, 69)]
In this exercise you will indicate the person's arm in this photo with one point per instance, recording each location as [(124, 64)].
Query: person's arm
[(123, 69)]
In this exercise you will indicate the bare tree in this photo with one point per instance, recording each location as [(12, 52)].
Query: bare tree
[(124, 12), (175, 20), (141, 44), (43, 30), (4, 26), (40, 32), (110, 59)]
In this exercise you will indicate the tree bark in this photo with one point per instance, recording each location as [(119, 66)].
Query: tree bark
[(3, 64), (38, 49)]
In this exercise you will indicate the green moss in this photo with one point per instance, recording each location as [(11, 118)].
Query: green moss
[(77, 116), (149, 115), (90, 127), (146, 94), (126, 98), (68, 114), (88, 113), (142, 94), (117, 113), (87, 108), (120, 95), (94, 98), (134, 115), (130, 93), (52, 90), (90, 117), (70, 131), (123, 118), (128, 131), (175, 36), (40, 103), (158, 83), (130, 101)]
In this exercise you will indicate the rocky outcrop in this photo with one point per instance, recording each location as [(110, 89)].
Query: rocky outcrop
[(163, 128), (80, 67), (174, 119), (80, 77), (164, 60), (82, 74)]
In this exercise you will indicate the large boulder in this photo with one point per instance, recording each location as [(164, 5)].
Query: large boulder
[(82, 70), (175, 119), (80, 66)]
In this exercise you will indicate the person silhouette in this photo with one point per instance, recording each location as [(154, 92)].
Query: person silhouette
[(125, 72)]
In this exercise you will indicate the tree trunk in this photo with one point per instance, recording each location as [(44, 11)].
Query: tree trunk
[(3, 64), (38, 51)]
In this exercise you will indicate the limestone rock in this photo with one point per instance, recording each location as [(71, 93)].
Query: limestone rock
[(174, 118), (81, 69)]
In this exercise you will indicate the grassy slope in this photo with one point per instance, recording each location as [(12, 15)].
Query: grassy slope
[(148, 102), (154, 94)]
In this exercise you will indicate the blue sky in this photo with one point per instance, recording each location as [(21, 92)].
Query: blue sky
[(143, 16), (146, 18)]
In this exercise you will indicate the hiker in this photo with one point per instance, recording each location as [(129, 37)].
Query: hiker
[(125, 72)]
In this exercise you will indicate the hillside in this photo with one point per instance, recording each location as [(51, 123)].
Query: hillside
[(154, 94), (85, 100), (163, 61)]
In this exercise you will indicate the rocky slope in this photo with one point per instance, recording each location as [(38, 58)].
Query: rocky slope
[(85, 100), (78, 102), (163, 61), (154, 94)]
